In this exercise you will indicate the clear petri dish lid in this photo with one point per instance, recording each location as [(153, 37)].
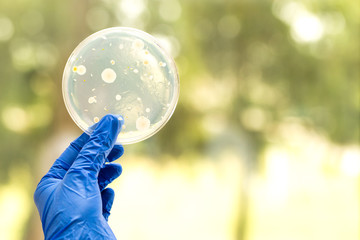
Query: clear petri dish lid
[(121, 71)]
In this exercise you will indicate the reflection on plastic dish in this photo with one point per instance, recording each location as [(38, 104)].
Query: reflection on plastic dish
[(121, 71)]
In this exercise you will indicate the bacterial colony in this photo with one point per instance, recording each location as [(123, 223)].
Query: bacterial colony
[(123, 72)]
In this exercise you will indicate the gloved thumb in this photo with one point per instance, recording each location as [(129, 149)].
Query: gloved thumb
[(107, 197)]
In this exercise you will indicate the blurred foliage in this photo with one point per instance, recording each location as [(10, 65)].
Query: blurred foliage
[(245, 67), (237, 60)]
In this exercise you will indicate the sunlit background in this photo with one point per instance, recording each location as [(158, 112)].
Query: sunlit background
[(264, 143)]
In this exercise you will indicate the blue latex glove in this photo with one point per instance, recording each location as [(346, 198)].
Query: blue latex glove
[(71, 198)]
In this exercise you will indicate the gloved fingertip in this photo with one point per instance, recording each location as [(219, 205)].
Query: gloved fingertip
[(116, 152), (107, 196), (118, 168), (108, 174), (106, 132), (110, 117), (109, 193), (108, 123), (121, 119)]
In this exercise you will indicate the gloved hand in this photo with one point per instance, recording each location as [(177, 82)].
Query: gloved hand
[(71, 198)]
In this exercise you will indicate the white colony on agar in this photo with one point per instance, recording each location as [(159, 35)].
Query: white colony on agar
[(92, 100), (142, 123), (108, 75), (81, 70), (133, 77), (138, 44)]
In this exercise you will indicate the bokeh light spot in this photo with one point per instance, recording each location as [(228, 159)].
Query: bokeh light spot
[(307, 28), (132, 8), (23, 54), (6, 29), (254, 119), (15, 119), (350, 162)]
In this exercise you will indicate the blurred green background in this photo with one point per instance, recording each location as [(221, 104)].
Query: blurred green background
[(264, 143)]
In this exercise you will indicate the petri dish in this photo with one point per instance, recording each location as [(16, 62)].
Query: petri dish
[(121, 71)]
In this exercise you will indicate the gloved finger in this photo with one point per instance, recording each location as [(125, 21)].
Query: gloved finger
[(66, 159), (92, 156), (116, 152), (108, 174), (107, 197)]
